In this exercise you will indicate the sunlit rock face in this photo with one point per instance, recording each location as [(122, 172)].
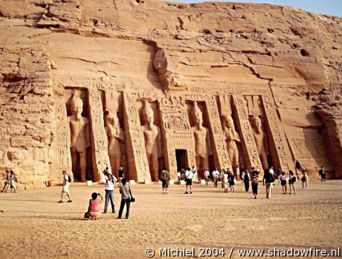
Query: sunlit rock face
[(261, 82)]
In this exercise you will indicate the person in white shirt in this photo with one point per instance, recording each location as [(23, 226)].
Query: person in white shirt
[(66, 184), (109, 181), (215, 177), (206, 176), (271, 170), (283, 182), (189, 174)]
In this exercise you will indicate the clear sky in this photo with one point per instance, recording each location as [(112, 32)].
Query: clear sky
[(332, 7)]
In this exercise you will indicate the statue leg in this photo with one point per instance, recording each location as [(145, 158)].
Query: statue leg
[(154, 168), (263, 159), (83, 166), (74, 159)]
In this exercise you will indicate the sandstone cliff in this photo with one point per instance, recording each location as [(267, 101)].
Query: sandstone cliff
[(158, 49)]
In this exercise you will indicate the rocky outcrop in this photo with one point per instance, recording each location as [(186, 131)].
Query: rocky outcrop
[(153, 50)]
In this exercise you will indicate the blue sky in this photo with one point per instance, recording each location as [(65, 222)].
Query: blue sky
[(332, 7)]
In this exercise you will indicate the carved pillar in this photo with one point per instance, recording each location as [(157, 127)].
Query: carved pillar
[(62, 147), (247, 138), (136, 155), (99, 137), (219, 149), (278, 136)]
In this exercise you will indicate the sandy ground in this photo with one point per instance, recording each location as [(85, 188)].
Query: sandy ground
[(33, 225)]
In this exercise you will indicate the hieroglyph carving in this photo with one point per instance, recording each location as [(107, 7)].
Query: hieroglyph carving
[(277, 134), (100, 141), (247, 136), (219, 149), (136, 156)]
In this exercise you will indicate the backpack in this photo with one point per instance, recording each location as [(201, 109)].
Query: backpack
[(272, 179), (69, 179)]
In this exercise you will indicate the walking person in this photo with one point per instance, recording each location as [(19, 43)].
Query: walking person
[(12, 182), (109, 181), (231, 181), (322, 174), (283, 182), (255, 182), (246, 178), (189, 174), (222, 178), (94, 207), (66, 185), (8, 181), (121, 173), (165, 178), (215, 174), (305, 179), (126, 196), (292, 180), (268, 181), (206, 176), (225, 179)]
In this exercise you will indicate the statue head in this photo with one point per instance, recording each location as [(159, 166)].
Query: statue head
[(76, 105), (256, 123), (197, 115), (148, 113)]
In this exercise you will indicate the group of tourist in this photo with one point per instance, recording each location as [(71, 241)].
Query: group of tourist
[(9, 184), (228, 179), (94, 207)]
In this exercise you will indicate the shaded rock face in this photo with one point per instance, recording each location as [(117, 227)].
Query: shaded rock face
[(262, 66)]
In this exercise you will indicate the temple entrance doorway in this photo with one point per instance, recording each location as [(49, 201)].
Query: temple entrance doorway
[(182, 159)]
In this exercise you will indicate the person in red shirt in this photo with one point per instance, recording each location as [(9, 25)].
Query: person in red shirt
[(94, 208)]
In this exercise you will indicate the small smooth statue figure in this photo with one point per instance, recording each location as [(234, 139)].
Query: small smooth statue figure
[(152, 141), (260, 139), (232, 138), (79, 131), (115, 140), (202, 141)]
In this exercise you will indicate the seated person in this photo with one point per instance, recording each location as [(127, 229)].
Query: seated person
[(94, 208)]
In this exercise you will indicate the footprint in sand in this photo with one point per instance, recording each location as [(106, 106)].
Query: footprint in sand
[(195, 228)]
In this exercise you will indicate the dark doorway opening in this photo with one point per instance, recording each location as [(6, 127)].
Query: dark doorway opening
[(182, 159)]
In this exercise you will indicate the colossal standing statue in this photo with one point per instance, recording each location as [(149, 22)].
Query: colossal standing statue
[(115, 140), (260, 139), (152, 140), (80, 139), (202, 141), (232, 137)]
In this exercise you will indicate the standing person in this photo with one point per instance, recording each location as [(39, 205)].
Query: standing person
[(109, 181), (222, 178), (121, 174), (255, 182), (206, 176), (231, 181), (7, 183), (189, 174), (215, 174), (322, 174), (283, 182), (106, 171), (126, 195), (182, 174), (225, 179), (165, 178), (179, 176), (268, 181), (298, 165), (305, 179), (94, 209), (292, 180), (11, 182), (246, 179), (271, 170), (66, 184)]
